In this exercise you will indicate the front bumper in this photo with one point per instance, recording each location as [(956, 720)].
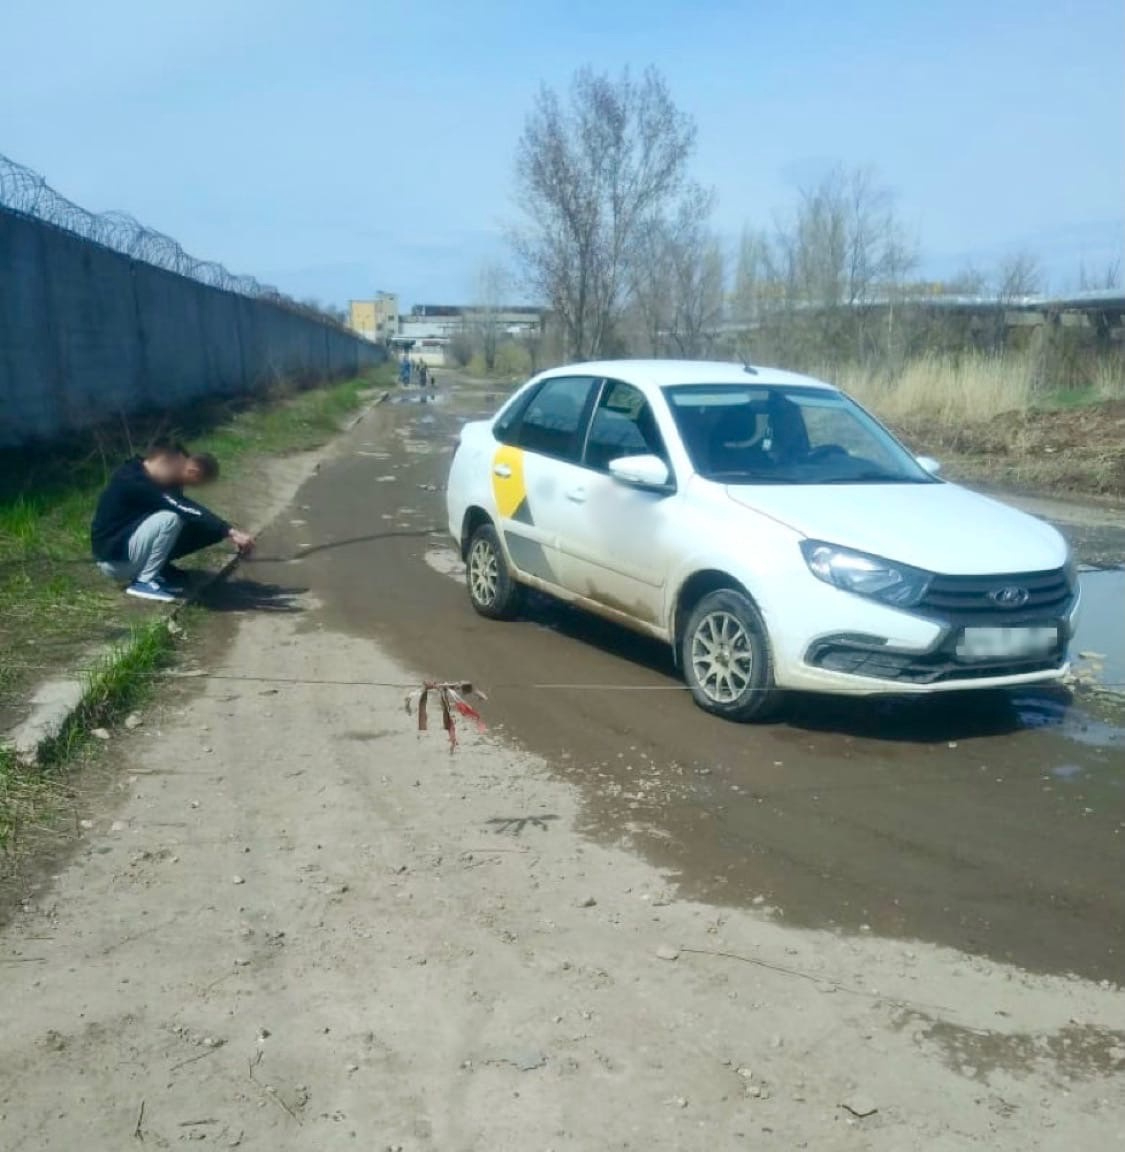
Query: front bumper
[(888, 651)]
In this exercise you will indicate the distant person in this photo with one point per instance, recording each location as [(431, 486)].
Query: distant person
[(144, 522), (404, 372)]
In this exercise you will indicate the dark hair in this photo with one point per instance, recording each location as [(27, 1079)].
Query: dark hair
[(206, 464)]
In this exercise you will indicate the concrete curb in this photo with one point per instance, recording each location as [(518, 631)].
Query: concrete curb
[(55, 702)]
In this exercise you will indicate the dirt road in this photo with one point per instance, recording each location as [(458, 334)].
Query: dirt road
[(608, 923), (928, 821)]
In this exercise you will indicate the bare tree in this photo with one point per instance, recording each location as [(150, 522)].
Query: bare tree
[(590, 174), (843, 250), (845, 244), (1106, 280), (1018, 274), (698, 274), (751, 277), (967, 281), (492, 285), (677, 277), (651, 284), (531, 341)]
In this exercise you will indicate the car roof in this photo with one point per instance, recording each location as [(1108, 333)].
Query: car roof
[(662, 373)]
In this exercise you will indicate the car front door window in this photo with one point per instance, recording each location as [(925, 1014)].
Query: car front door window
[(623, 425)]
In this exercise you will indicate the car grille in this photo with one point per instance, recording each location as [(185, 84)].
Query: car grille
[(969, 599)]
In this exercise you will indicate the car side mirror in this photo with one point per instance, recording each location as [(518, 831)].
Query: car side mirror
[(929, 464), (648, 472)]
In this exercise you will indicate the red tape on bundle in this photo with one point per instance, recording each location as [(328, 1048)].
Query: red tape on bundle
[(451, 694)]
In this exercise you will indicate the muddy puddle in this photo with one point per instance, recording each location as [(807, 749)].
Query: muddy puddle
[(427, 397), (992, 823), (1099, 647)]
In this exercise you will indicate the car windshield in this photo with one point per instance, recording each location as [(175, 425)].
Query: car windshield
[(772, 434)]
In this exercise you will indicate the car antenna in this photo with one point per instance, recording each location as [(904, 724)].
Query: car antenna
[(750, 368)]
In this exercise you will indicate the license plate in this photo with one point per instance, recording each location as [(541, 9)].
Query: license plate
[(1005, 643)]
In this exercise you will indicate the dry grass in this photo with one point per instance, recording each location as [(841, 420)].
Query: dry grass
[(975, 388), (994, 419), (971, 389), (1108, 379)]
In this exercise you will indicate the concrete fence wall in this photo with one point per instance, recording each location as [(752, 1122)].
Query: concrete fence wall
[(88, 334)]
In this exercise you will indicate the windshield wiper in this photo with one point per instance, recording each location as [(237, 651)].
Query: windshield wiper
[(868, 476)]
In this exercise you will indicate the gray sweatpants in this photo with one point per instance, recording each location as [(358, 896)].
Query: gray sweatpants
[(150, 548)]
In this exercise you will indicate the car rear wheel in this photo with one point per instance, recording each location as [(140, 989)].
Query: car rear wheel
[(492, 590), (726, 658)]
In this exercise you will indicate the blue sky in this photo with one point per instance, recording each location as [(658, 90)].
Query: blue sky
[(263, 132)]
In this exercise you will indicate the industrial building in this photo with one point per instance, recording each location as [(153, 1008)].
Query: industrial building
[(376, 319)]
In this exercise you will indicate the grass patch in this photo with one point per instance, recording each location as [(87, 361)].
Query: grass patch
[(976, 388), (23, 795), (943, 389), (123, 679), (1001, 420), (53, 602)]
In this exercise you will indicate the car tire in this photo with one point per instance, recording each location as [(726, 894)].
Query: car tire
[(725, 653), (492, 590)]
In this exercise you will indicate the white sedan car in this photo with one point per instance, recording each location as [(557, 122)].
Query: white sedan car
[(765, 526)]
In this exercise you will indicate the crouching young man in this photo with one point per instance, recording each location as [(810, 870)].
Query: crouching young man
[(143, 522)]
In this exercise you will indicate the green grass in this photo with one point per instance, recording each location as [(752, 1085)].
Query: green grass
[(1068, 398), (21, 797), (123, 679), (54, 604)]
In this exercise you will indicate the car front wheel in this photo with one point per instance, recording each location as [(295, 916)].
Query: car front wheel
[(492, 590), (726, 658)]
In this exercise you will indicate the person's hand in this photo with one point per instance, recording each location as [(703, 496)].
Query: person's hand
[(242, 541)]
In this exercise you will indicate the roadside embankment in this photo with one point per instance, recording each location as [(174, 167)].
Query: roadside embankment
[(995, 419), (77, 655)]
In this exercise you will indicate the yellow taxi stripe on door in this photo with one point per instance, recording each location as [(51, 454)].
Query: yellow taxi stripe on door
[(507, 480)]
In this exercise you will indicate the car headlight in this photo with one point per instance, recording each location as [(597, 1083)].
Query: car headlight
[(865, 575)]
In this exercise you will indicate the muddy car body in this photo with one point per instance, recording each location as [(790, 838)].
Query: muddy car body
[(764, 525)]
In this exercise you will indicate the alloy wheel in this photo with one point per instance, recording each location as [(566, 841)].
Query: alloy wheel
[(722, 657), (484, 573)]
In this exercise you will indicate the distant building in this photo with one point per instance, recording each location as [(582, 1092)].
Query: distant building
[(512, 320), (425, 333), (376, 319)]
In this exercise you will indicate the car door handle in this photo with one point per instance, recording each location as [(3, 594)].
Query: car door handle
[(577, 495), (502, 470)]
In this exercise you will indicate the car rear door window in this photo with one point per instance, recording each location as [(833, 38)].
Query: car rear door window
[(555, 418)]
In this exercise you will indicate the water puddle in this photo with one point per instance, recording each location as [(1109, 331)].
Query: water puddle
[(1099, 646), (1049, 713), (419, 398)]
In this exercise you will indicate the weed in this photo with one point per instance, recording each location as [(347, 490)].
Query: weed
[(123, 679)]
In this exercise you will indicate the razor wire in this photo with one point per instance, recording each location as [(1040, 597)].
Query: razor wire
[(25, 191)]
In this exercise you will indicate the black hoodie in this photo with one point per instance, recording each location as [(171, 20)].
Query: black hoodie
[(130, 498)]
